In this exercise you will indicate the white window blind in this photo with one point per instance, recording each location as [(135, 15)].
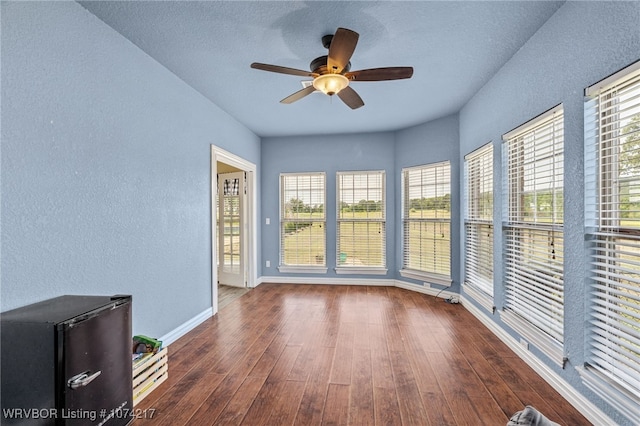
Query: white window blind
[(478, 259), (427, 219), (302, 219), (361, 235), (612, 169), (533, 233)]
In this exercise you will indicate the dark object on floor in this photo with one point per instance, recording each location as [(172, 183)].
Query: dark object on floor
[(530, 417), (67, 359)]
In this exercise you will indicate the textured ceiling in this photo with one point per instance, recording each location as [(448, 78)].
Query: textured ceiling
[(455, 47)]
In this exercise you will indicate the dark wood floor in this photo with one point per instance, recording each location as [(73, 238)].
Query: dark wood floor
[(227, 294), (337, 355)]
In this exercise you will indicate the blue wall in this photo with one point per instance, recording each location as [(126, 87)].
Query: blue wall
[(581, 43), (328, 154), (105, 169), (427, 143)]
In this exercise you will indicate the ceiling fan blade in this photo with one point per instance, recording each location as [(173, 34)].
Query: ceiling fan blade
[(380, 74), (341, 48), (282, 70), (351, 98), (298, 95)]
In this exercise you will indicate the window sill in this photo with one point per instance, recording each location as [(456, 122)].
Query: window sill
[(479, 296), (427, 277), (361, 270), (303, 269), (610, 391), (537, 338)]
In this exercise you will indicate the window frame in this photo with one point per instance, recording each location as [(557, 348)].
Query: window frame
[(478, 220), (302, 268), (611, 367), (363, 269), (533, 274), (430, 276)]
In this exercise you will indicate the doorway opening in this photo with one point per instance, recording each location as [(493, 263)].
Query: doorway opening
[(233, 224)]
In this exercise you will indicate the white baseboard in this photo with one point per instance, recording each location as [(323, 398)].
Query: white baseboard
[(327, 281), (575, 398), (186, 327), (424, 289), (359, 281)]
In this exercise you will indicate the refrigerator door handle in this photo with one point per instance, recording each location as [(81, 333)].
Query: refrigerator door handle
[(82, 379)]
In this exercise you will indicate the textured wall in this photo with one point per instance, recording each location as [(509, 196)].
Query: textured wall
[(328, 154), (581, 44), (105, 169), (427, 143)]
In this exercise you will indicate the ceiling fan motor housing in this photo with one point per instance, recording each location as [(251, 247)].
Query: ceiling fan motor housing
[(319, 65)]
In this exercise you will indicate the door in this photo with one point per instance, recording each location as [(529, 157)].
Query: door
[(96, 359), (231, 221)]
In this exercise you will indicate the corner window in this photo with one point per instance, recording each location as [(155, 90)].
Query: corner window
[(426, 219)]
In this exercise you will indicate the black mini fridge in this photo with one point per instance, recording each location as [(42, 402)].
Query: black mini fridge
[(67, 361)]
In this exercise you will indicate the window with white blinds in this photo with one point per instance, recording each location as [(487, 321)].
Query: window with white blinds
[(533, 233), (302, 220), (427, 221), (361, 230), (612, 170), (478, 260)]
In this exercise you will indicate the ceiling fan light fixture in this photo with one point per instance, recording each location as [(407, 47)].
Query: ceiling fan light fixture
[(330, 84)]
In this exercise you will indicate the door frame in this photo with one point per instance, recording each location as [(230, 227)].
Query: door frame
[(238, 279), (250, 235)]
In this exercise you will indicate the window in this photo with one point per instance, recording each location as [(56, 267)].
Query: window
[(302, 222), (478, 261), (533, 232), (361, 234), (612, 171), (427, 221)]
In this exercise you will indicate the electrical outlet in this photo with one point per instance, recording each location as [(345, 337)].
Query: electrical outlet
[(267, 264), (267, 221), (524, 343)]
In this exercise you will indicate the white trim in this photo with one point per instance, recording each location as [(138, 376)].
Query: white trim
[(534, 122), (222, 156), (258, 282), (479, 296), (540, 340), (425, 289), (422, 166), (609, 391), (612, 80), (305, 269), (364, 270), (582, 404), (186, 327), (479, 151), (373, 270), (327, 281), (302, 269), (426, 277), (380, 282)]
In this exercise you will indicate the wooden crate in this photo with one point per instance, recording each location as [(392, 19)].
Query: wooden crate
[(148, 372)]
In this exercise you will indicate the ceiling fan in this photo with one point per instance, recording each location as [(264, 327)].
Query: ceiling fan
[(331, 73)]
